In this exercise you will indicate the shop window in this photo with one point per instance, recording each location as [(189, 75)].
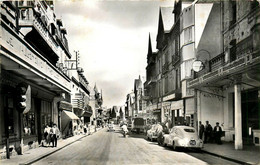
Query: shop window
[(45, 113), (29, 121), (10, 116)]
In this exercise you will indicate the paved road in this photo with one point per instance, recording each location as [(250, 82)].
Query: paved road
[(112, 148)]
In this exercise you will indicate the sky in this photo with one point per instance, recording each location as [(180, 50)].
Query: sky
[(112, 39)]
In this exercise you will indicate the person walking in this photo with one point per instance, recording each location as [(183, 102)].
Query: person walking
[(45, 134), (51, 135), (85, 129), (208, 132), (217, 132), (201, 131), (55, 136)]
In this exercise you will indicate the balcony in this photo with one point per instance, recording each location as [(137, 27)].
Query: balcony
[(62, 40), (239, 65), (34, 27), (78, 101), (29, 62), (175, 58), (165, 68)]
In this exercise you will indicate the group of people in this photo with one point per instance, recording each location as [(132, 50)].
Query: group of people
[(51, 134), (209, 134)]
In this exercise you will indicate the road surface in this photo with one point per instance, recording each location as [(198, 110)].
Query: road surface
[(112, 148)]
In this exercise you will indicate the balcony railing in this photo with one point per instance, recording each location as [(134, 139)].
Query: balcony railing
[(217, 62), (30, 18), (175, 58), (165, 68), (230, 68), (77, 101)]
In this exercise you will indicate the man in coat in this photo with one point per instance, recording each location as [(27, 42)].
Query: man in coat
[(217, 133), (208, 132)]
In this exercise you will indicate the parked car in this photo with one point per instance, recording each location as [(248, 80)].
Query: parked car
[(151, 133), (111, 127), (182, 137)]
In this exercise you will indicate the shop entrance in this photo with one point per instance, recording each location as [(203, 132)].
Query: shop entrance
[(250, 115)]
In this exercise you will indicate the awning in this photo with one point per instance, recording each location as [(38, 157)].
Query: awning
[(71, 115), (87, 114)]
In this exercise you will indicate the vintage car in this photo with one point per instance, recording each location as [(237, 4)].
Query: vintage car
[(182, 137), (151, 133), (111, 127), (138, 124)]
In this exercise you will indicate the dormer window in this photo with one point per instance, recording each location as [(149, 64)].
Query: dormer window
[(59, 22), (63, 30)]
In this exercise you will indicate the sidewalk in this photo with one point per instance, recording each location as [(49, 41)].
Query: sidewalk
[(249, 154), (33, 155)]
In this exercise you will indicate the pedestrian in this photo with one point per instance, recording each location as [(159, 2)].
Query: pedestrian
[(208, 132), (45, 134), (217, 132), (201, 131), (55, 136), (51, 135), (85, 129)]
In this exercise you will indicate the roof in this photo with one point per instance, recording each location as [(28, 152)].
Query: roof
[(138, 83), (115, 108), (168, 18)]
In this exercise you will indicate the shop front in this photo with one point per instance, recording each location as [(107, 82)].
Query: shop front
[(87, 114), (69, 123), (190, 115), (177, 113), (156, 115)]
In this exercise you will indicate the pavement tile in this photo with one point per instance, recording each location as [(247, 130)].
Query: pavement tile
[(249, 154), (35, 154)]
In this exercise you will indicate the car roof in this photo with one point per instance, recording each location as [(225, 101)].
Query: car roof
[(183, 127)]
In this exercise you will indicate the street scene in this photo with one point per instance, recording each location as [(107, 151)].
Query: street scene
[(130, 82), (110, 147)]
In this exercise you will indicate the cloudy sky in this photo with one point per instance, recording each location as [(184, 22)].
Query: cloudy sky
[(112, 38)]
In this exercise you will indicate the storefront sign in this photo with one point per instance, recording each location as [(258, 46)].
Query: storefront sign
[(63, 105), (157, 111), (169, 97), (177, 105)]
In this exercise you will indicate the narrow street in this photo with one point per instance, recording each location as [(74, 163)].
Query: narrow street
[(111, 148)]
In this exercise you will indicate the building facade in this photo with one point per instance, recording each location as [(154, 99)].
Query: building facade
[(231, 78), (33, 47)]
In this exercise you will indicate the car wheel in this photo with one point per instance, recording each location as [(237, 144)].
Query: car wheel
[(174, 146), (163, 144)]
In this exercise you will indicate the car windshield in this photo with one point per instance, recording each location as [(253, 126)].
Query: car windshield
[(189, 130)]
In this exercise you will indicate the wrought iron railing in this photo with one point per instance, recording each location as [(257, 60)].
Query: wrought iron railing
[(165, 68)]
